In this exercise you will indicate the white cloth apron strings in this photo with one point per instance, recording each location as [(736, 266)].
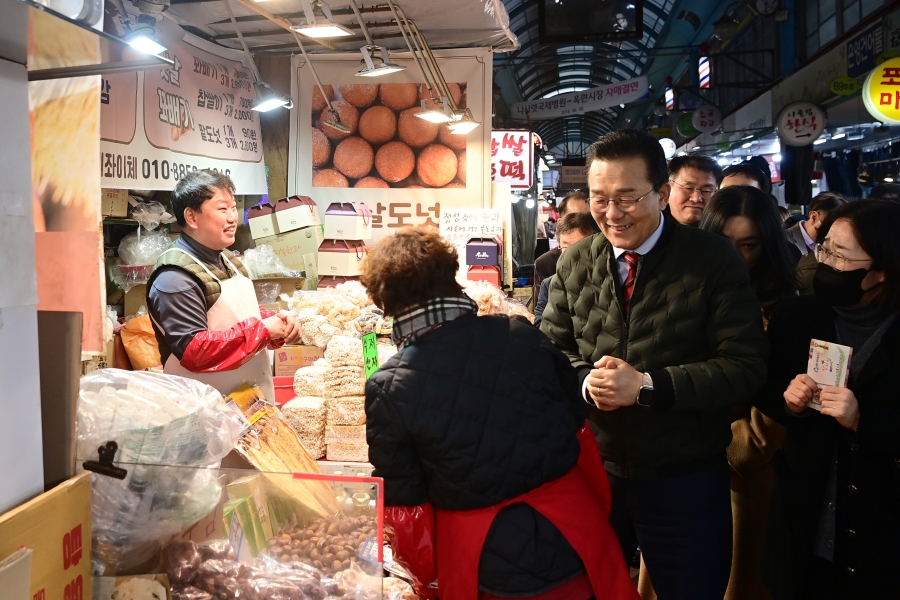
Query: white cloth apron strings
[(236, 303)]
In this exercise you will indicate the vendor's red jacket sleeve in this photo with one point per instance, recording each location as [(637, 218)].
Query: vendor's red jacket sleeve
[(214, 351)]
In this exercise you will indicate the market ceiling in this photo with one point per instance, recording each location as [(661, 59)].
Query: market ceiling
[(525, 69)]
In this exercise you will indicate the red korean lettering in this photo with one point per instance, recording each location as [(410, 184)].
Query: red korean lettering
[(887, 99), (74, 590), (495, 145), (41, 594), (891, 74), (512, 170)]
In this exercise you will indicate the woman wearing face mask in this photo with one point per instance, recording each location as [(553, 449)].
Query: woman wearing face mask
[(835, 516)]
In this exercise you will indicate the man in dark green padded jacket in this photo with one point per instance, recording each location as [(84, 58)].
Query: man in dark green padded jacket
[(666, 334)]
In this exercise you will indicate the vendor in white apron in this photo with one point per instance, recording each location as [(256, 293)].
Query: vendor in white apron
[(201, 301)]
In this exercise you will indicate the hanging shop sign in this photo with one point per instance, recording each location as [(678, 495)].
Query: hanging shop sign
[(881, 92), (844, 86), (575, 103), (862, 50), (800, 123), (157, 125), (512, 158), (723, 146), (685, 125), (707, 119), (886, 56), (573, 176), (668, 147)]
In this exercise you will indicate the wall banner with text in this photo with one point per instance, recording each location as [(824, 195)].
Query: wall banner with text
[(598, 98), (157, 125)]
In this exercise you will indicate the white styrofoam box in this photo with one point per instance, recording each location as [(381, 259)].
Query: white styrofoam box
[(348, 221)]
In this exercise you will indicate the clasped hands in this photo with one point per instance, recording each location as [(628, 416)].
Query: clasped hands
[(836, 402), (283, 326), (613, 383)]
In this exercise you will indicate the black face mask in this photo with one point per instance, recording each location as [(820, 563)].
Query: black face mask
[(840, 288)]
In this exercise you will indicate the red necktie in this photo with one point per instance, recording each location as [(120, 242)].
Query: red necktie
[(631, 258)]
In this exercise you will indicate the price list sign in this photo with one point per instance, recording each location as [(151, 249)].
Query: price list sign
[(370, 353)]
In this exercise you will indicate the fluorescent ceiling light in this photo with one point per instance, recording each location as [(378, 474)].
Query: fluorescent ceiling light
[(143, 42), (747, 145), (382, 68), (464, 123), (889, 180), (722, 162), (322, 30), (271, 102), (838, 136), (777, 158), (819, 141), (436, 115), (529, 203)]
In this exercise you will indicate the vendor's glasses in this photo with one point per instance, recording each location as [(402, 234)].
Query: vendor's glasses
[(835, 260), (705, 192)]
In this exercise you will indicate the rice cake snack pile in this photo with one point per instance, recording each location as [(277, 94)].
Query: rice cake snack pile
[(307, 416), (345, 351), (349, 410), (345, 381), (310, 381)]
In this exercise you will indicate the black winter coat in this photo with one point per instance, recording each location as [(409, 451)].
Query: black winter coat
[(867, 544), (478, 411)]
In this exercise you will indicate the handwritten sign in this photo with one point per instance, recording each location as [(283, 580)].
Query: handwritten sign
[(460, 225), (370, 353), (598, 98), (511, 158), (800, 124)]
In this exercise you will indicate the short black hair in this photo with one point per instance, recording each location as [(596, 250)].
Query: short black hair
[(576, 195), (195, 188), (775, 277), (886, 191), (751, 171), (582, 222), (623, 144), (875, 224), (696, 161), (826, 202)]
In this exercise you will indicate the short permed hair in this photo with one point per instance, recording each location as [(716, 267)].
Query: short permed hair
[(696, 161), (582, 222), (195, 188), (409, 268), (624, 144)]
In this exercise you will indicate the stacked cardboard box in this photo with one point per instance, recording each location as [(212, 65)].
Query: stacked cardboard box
[(347, 226), (292, 227)]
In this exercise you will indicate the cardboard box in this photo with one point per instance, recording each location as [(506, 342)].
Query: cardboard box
[(56, 526), (290, 358), (262, 221), (484, 251), (296, 212), (484, 273), (135, 298), (291, 247), (113, 203), (133, 586)]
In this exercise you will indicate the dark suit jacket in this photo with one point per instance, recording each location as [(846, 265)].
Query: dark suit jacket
[(795, 237)]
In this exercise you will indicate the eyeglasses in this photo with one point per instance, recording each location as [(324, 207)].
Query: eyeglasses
[(705, 192), (839, 262), (623, 203)]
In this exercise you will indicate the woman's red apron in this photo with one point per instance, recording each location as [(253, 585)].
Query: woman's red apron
[(577, 503)]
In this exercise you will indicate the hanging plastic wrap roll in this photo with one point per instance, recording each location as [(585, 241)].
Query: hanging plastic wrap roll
[(155, 420)]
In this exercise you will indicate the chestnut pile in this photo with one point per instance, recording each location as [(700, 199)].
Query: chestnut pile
[(328, 544)]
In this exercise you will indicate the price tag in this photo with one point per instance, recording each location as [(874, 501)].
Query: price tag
[(370, 353)]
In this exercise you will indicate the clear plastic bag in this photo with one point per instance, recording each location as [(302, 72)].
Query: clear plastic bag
[(150, 215), (492, 301), (267, 292), (262, 262), (143, 247), (156, 420)]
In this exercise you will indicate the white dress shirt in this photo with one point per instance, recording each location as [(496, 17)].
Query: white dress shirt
[(622, 265)]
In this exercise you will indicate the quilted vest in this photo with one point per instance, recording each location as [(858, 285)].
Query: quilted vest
[(211, 288)]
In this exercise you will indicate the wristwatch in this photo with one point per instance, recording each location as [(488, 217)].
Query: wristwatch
[(645, 396)]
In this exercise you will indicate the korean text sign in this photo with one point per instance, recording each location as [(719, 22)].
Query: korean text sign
[(512, 158), (193, 115), (881, 92)]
